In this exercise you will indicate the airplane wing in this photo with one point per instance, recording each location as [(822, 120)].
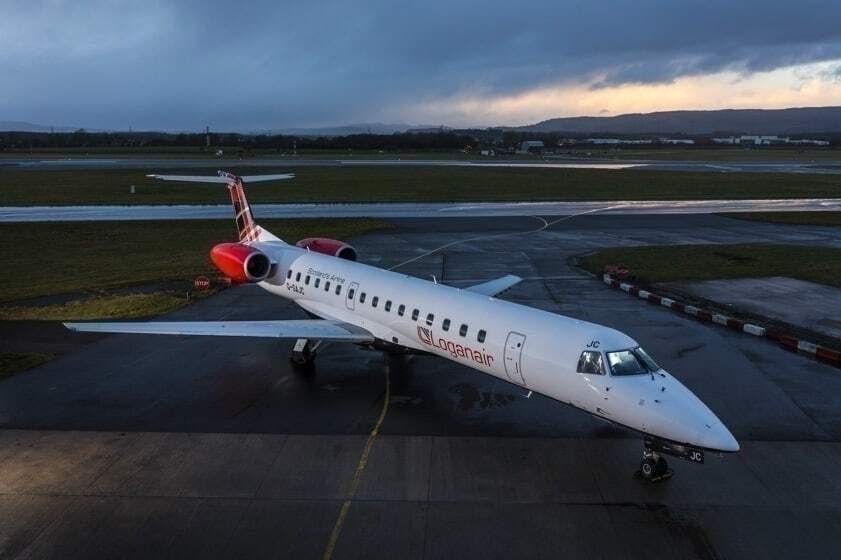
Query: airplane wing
[(316, 329), (495, 287), (222, 179)]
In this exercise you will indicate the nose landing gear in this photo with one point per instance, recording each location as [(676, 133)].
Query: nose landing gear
[(653, 467)]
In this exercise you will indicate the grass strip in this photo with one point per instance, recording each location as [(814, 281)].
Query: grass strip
[(412, 184), (121, 306), (794, 218), (14, 362), (43, 259)]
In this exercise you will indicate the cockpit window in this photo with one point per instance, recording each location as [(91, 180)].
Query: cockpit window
[(631, 362), (591, 362), (646, 359)]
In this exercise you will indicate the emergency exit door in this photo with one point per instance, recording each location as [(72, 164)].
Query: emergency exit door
[(514, 357), (351, 295)]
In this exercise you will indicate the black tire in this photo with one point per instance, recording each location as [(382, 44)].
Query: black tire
[(662, 466), (648, 468)]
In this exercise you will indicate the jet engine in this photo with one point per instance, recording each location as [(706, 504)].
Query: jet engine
[(241, 263), (328, 246)]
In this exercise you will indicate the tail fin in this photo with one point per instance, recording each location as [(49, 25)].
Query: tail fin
[(247, 229)]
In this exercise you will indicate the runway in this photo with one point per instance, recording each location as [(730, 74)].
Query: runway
[(141, 445), (10, 214), (549, 162)]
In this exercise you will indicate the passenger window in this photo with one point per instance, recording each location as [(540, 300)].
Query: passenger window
[(401, 310), (388, 305), (591, 362), (374, 301), (462, 331), (350, 293), (362, 297), (430, 318), (338, 289), (317, 282), (289, 274), (481, 336), (298, 277), (415, 313), (327, 286), (445, 324), (307, 280)]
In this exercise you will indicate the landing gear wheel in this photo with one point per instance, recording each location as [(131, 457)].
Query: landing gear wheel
[(661, 467), (648, 468), (303, 354)]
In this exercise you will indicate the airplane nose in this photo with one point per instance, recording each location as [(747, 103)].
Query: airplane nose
[(715, 436)]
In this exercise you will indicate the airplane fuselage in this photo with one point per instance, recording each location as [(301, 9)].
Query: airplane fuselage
[(531, 348)]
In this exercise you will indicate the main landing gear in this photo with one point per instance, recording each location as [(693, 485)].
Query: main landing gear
[(304, 351)]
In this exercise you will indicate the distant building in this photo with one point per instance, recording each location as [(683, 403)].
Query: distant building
[(530, 146), (747, 139), (767, 140), (809, 142), (676, 141), (615, 141)]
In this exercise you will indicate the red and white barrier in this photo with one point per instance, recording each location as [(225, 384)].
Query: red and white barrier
[(821, 352)]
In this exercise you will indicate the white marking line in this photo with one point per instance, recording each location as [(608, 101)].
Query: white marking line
[(545, 226)]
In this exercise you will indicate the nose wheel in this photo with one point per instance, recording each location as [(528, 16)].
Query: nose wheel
[(653, 467)]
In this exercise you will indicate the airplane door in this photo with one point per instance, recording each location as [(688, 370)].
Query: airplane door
[(351, 295), (513, 357)]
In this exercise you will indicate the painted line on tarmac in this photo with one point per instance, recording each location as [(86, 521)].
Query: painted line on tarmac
[(369, 443), (357, 475), (546, 225)]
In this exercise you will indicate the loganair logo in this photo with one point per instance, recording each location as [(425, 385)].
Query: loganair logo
[(456, 350)]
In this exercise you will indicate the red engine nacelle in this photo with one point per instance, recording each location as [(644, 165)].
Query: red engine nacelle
[(241, 263), (328, 246)]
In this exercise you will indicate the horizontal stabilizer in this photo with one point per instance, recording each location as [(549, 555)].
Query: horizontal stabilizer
[(495, 287), (316, 329), (222, 179)]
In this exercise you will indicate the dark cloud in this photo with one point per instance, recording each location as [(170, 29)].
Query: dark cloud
[(259, 65)]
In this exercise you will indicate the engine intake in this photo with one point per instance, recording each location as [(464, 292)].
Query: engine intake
[(327, 246), (241, 263)]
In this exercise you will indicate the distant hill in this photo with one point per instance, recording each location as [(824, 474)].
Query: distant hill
[(345, 130), (731, 121)]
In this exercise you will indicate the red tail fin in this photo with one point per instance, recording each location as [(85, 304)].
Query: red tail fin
[(247, 229)]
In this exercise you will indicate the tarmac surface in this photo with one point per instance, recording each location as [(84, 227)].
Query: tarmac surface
[(9, 214), (173, 446), (807, 305)]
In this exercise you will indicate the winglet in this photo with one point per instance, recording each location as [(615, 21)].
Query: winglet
[(495, 287)]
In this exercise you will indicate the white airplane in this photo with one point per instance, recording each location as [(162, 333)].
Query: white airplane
[(594, 368)]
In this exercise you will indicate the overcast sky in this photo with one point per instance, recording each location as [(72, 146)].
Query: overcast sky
[(260, 65)]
